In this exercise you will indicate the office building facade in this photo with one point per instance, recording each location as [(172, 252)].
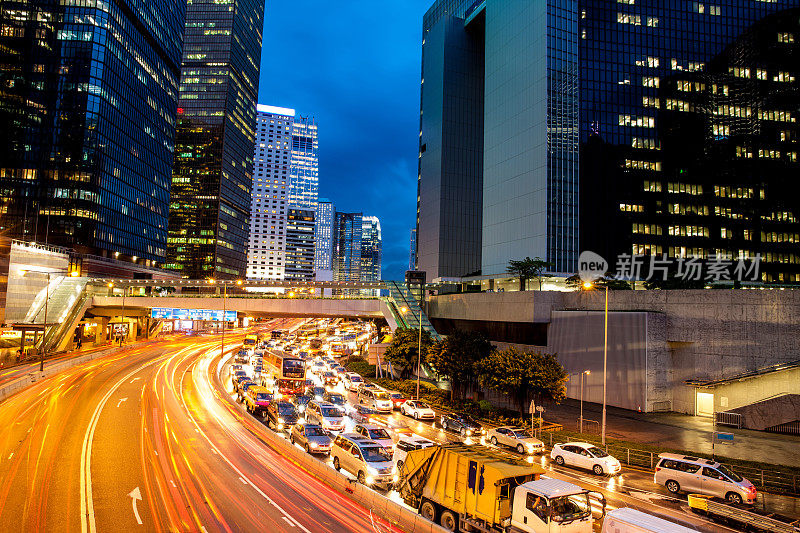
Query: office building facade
[(87, 100), (304, 186), (347, 228), (412, 252), (371, 248), (323, 235), (299, 256), (212, 176), (618, 127)]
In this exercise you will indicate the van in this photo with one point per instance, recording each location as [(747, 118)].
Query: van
[(627, 520), (683, 473), (364, 458), (377, 399), (407, 443)]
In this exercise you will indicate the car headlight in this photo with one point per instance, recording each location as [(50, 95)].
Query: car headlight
[(280, 420), (314, 445)]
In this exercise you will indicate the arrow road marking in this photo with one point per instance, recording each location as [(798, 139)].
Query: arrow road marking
[(135, 495), (121, 400)]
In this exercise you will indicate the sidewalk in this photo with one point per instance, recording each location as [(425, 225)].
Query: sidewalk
[(684, 432)]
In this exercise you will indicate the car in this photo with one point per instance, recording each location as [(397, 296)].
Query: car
[(352, 381), (375, 398), (362, 414), (365, 386), (340, 371), (464, 425), (365, 459), (417, 409), (312, 437), (335, 398), (235, 368), (301, 402), (257, 400), (329, 378), (520, 439), (315, 392), (310, 383), (407, 443), (585, 455), (376, 433), (243, 386), (281, 415), (398, 398), (325, 414), (685, 473), (237, 377), (317, 367)]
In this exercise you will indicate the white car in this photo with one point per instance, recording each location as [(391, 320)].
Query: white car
[(377, 434), (417, 409), (325, 414), (520, 439), (585, 455), (352, 381), (407, 443)]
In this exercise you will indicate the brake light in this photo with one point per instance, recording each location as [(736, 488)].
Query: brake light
[(658, 469)]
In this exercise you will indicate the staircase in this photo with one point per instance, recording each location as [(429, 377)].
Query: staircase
[(401, 297), (65, 307)]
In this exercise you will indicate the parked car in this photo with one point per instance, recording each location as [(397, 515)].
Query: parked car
[(684, 473), (257, 400), (375, 398), (325, 414), (585, 455), (312, 437), (376, 433), (362, 414), (464, 425), (281, 415), (407, 443), (365, 459), (520, 439), (335, 398), (417, 409), (398, 398)]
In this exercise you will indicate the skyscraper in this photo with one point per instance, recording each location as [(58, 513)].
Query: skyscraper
[(269, 197), (88, 94), (412, 253), (371, 249), (299, 255), (347, 228), (649, 127), (323, 235), (304, 186), (212, 177)]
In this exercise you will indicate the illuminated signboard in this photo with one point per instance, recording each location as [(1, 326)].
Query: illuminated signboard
[(170, 313)]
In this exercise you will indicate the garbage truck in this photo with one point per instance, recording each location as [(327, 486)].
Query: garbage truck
[(481, 489)]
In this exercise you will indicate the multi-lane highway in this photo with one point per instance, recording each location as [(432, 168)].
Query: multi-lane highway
[(142, 440)]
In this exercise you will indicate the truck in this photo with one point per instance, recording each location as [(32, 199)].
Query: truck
[(481, 489), (739, 515)]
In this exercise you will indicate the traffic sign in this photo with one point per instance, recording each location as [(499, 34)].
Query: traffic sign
[(724, 438)]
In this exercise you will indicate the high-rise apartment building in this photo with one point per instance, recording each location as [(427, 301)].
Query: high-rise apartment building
[(347, 229), (642, 127), (371, 249), (212, 177), (88, 93), (299, 257), (323, 235)]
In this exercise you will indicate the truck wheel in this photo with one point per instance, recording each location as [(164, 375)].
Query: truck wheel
[(336, 463), (673, 486), (494, 441), (734, 497), (559, 460), (428, 510), (448, 520), (598, 470)]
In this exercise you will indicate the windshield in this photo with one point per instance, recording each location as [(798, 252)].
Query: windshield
[(285, 408), (293, 367), (597, 452), (381, 396), (375, 454), (397, 396), (336, 398), (315, 432), (569, 508), (522, 434), (356, 378), (262, 397), (331, 412), (379, 434), (733, 475)]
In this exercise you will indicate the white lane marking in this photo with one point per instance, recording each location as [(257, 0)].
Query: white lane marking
[(243, 481), (135, 495), (203, 529), (135, 379), (288, 521), (173, 484), (12, 455), (121, 400)]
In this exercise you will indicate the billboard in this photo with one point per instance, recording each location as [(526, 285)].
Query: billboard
[(171, 313)]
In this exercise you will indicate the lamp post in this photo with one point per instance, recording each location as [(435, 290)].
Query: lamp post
[(584, 373), (46, 301), (589, 285)]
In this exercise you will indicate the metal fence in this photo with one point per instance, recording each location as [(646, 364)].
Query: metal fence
[(729, 418)]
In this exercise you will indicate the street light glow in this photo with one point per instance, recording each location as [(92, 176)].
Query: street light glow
[(404, 309), (587, 285)]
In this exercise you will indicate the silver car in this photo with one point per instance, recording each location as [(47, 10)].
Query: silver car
[(313, 438)]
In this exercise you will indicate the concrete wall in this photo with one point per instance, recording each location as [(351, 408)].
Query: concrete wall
[(730, 396), (696, 334), (21, 289)]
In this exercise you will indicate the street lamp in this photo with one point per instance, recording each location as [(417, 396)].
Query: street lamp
[(46, 301), (224, 312), (588, 285)]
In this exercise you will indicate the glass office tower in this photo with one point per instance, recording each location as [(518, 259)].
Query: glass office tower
[(643, 127), (347, 246), (371, 249), (88, 94), (323, 235), (211, 181), (304, 187)]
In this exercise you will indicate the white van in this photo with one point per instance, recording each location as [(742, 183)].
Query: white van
[(683, 473), (627, 520), (365, 459), (377, 399), (405, 444)]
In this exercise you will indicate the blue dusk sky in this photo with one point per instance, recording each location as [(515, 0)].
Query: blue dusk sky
[(355, 66)]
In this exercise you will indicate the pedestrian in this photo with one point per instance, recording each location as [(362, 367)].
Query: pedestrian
[(80, 342)]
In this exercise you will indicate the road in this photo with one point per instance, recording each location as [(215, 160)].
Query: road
[(144, 440)]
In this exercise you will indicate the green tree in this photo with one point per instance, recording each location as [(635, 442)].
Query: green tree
[(575, 282), (520, 374), (455, 356), (404, 349), (528, 269)]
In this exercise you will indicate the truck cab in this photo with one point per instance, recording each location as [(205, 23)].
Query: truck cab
[(552, 506)]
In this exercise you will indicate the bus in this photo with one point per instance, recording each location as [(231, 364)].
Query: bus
[(289, 371)]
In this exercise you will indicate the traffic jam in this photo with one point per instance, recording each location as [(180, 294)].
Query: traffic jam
[(293, 381)]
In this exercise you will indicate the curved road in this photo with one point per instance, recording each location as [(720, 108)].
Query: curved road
[(147, 440)]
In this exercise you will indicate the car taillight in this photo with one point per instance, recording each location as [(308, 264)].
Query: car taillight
[(658, 469)]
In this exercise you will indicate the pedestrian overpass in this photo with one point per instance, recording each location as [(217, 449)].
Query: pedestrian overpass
[(69, 301)]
